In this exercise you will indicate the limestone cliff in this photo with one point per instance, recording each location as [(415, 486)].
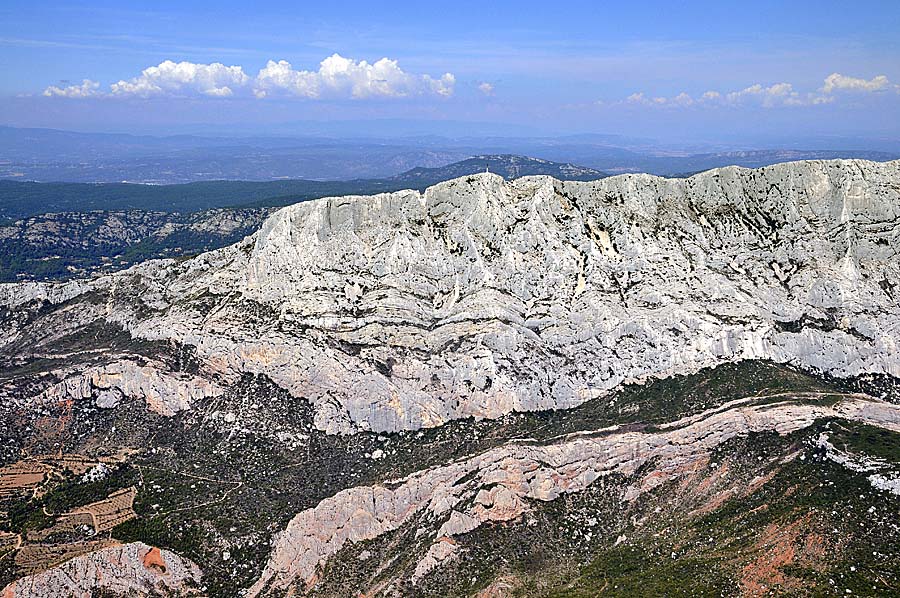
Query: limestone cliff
[(481, 297)]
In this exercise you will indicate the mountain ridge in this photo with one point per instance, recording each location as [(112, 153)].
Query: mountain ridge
[(277, 270), (509, 166)]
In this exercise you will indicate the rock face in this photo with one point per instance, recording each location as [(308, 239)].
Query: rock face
[(129, 570), (497, 485), (164, 393), (481, 297)]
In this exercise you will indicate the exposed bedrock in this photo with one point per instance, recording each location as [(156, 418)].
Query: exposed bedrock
[(133, 569), (498, 485), (480, 297)]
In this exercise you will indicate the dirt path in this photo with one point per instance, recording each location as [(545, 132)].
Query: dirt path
[(224, 497)]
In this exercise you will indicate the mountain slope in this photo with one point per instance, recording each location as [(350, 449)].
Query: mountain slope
[(366, 390), (70, 244), (507, 281)]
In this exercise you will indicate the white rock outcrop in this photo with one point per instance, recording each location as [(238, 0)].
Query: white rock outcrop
[(480, 297), (164, 392), (133, 569)]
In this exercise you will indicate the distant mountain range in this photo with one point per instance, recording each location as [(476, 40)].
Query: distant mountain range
[(20, 199), (48, 155), (508, 166)]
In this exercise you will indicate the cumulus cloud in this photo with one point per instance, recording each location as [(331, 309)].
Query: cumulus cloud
[(771, 96), (342, 77), (637, 97), (177, 78), (837, 81), (282, 76), (779, 94), (486, 88), (87, 89), (682, 99), (336, 77), (644, 100)]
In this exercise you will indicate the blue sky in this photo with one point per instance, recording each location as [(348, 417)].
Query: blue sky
[(671, 70)]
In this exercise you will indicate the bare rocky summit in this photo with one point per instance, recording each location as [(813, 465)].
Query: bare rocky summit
[(481, 297), (422, 375)]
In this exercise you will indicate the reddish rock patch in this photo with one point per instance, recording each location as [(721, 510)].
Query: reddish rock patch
[(153, 560), (778, 546)]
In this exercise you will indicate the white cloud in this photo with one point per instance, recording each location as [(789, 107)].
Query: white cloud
[(837, 81), (281, 76), (442, 86), (87, 89), (178, 78), (486, 88), (644, 100), (682, 99), (771, 96), (779, 94), (336, 77), (343, 77)]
